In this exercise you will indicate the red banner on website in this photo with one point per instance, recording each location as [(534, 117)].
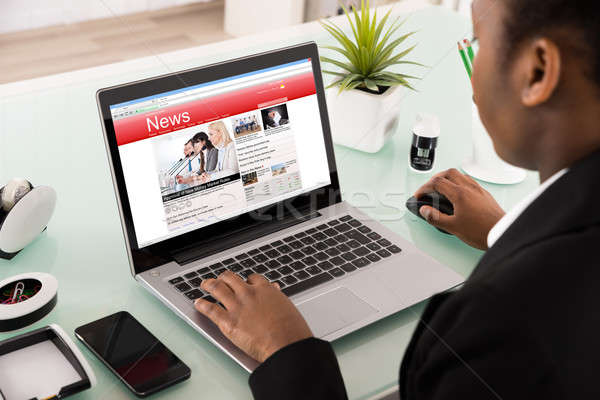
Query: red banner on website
[(201, 111)]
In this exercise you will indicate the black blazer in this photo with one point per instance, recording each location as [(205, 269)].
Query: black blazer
[(526, 324)]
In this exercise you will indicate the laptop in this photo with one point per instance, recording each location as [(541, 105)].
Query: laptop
[(231, 167)]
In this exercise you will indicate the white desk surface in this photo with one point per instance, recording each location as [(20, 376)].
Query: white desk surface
[(50, 133)]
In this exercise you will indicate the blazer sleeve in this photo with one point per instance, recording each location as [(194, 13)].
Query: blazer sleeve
[(212, 157), (477, 347), (307, 369)]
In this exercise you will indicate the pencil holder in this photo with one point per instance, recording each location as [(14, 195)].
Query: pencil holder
[(27, 218)]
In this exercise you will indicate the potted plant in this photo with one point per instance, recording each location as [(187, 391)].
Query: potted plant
[(364, 97)]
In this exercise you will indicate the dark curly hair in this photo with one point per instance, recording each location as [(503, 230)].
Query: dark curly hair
[(573, 24)]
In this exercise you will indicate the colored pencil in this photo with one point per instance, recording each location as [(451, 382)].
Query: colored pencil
[(463, 55), (469, 50)]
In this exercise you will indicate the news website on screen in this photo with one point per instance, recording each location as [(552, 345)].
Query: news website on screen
[(196, 156)]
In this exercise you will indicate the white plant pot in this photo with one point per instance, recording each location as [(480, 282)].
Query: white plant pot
[(361, 120)]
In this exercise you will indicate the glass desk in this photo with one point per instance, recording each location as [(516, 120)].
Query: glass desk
[(50, 133)]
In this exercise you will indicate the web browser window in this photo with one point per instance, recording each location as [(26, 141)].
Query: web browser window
[(195, 156)]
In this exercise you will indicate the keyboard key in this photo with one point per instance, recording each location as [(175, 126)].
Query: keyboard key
[(384, 253), (364, 229), (254, 252), (345, 218), (296, 244), (300, 235), (298, 265), (183, 287), (374, 235), (301, 275), (322, 226), (209, 298), (319, 236), (342, 247), (241, 256), (307, 284), (220, 271), (260, 258), (394, 249), (373, 257), (288, 239), (330, 232), (285, 259), (228, 261), (353, 243), (277, 243), (246, 273), (260, 269), (272, 253), (194, 294), (272, 264), (384, 242), (308, 240), (337, 272), (297, 255), (272, 275), (235, 267), (313, 270), (321, 256), (284, 249), (341, 238), (265, 247), (337, 261), (309, 250), (285, 270), (333, 222), (320, 246), (190, 275), (216, 266), (348, 256), (332, 252), (289, 280), (311, 231), (361, 251), (359, 237), (325, 265), (204, 270), (373, 246), (248, 262), (348, 267), (343, 228), (175, 281), (330, 242), (195, 282), (361, 262), (280, 283), (209, 276), (354, 223), (309, 260)]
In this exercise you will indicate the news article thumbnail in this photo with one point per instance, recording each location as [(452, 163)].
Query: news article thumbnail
[(246, 124), (274, 117)]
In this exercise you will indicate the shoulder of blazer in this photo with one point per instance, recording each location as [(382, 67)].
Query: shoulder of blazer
[(568, 205)]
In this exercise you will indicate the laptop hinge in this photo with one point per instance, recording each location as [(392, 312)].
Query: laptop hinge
[(235, 238)]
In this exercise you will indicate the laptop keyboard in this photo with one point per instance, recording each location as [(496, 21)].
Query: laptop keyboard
[(299, 262)]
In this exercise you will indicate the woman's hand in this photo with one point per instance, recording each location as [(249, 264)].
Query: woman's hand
[(257, 317), (475, 210)]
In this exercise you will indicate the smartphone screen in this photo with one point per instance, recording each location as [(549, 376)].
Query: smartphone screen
[(142, 362)]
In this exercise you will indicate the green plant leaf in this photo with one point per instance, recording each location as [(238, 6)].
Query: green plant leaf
[(381, 66), (344, 52), (384, 54), (341, 38), (347, 13), (370, 84), (335, 73), (347, 67), (349, 80)]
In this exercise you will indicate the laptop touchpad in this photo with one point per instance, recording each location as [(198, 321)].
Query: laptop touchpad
[(334, 310)]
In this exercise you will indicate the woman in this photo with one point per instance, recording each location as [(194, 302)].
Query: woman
[(208, 158), (227, 163), (525, 323)]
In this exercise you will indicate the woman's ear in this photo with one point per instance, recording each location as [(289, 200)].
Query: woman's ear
[(541, 68)]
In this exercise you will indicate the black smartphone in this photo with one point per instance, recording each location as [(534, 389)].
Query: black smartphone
[(132, 353)]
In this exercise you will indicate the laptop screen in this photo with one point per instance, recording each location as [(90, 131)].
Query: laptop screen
[(199, 155)]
